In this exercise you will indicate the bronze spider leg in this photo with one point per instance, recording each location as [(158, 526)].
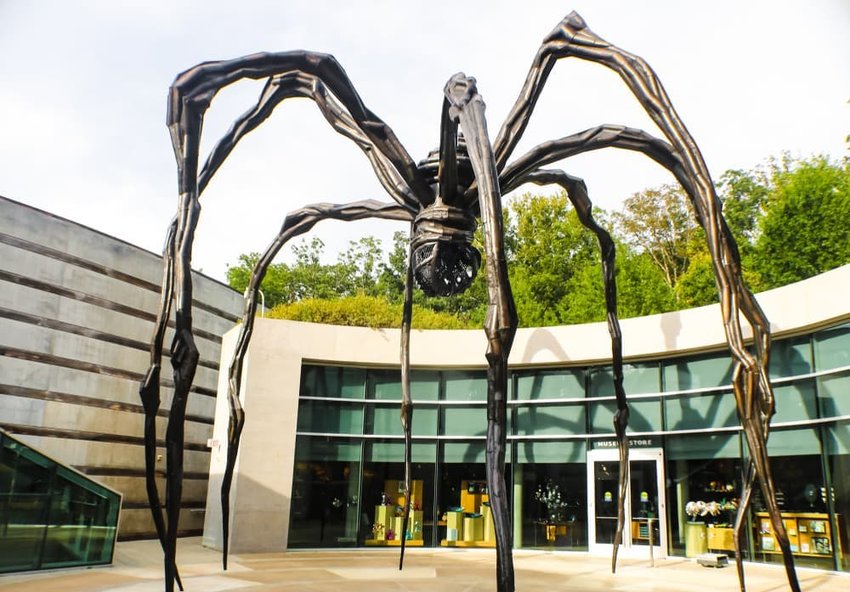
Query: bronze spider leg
[(630, 139), (738, 535), (572, 38), (189, 98), (276, 90), (406, 411), (149, 390), (526, 168), (296, 223), (751, 386), (303, 85), (466, 106), (577, 193)]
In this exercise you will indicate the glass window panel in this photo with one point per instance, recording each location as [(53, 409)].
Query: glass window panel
[(325, 510), (644, 416), (330, 417), (551, 384), (319, 449), (385, 420), (424, 385), (383, 480), (550, 505), (703, 446), (51, 516), (704, 372), (82, 523), (696, 478), (792, 443), (694, 412), (352, 384), (834, 395), (25, 494), (333, 381), (465, 421), (602, 417), (637, 379), (790, 357), (461, 486), (838, 440), (394, 452), (838, 449), (464, 452), (465, 385), (795, 401), (551, 419), (832, 348), (568, 451)]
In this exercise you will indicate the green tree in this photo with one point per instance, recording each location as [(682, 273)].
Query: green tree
[(660, 223), (550, 252), (362, 264), (276, 285), (805, 229), (744, 195), (641, 287)]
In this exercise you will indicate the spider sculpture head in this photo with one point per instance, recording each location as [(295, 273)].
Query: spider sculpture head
[(444, 260)]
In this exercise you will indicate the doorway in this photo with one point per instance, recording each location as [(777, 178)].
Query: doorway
[(645, 503)]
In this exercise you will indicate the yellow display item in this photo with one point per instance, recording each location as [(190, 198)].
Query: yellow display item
[(388, 518), (489, 528), (383, 521), (696, 539), (470, 531), (721, 538), (455, 520), (473, 528)]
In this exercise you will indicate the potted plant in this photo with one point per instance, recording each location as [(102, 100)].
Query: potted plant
[(696, 533), (550, 496)]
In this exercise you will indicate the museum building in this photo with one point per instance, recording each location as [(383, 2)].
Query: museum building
[(320, 464), (320, 461)]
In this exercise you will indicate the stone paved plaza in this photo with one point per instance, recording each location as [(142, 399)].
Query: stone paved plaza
[(138, 568)]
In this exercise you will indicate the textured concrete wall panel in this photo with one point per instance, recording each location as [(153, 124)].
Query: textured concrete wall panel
[(76, 315)]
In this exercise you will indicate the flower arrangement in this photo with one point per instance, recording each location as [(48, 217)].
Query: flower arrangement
[(700, 509), (550, 496), (377, 529)]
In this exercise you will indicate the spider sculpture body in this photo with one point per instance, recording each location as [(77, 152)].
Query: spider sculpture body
[(442, 198)]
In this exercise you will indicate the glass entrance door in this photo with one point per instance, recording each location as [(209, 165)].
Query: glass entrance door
[(644, 502)]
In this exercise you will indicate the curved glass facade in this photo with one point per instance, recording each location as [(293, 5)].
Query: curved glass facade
[(686, 445)]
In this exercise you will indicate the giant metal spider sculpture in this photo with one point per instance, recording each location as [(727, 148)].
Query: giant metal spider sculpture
[(442, 197)]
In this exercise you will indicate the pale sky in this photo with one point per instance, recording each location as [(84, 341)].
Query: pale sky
[(83, 88)]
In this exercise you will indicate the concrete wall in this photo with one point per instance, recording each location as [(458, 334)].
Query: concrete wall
[(77, 309), (262, 487)]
